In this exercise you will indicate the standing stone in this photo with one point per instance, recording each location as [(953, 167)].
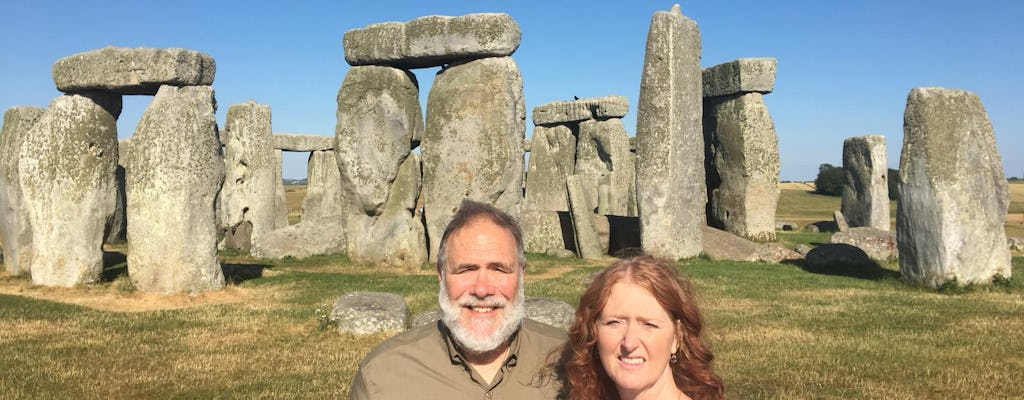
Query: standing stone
[(15, 231), (671, 195), (473, 143), (323, 187), (742, 159), (866, 187), (953, 196), (249, 187), (552, 158), (588, 245), (602, 153), (117, 225), (67, 180), (280, 200), (378, 116), (174, 172)]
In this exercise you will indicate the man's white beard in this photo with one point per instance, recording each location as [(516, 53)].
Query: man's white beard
[(472, 342)]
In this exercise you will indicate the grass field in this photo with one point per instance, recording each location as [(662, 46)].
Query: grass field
[(779, 331)]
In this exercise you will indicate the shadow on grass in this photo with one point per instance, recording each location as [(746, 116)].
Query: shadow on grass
[(235, 273), (115, 264), (840, 259)]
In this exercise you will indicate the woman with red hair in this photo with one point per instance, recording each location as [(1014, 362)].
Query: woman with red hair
[(637, 335)]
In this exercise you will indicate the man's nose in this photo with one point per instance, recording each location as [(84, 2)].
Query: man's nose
[(482, 285)]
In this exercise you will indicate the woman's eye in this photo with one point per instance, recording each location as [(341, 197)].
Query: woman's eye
[(612, 322), (651, 324)]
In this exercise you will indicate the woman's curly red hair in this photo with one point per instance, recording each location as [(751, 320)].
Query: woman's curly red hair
[(693, 372)]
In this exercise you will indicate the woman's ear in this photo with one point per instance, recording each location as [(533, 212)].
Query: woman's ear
[(678, 339)]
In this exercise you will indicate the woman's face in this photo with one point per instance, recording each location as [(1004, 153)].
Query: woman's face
[(635, 338)]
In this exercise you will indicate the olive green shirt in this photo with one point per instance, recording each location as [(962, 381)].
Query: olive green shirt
[(423, 363)]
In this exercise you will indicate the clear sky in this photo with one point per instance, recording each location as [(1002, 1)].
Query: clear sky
[(844, 68)]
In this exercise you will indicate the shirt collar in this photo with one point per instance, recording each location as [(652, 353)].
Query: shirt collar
[(456, 358)]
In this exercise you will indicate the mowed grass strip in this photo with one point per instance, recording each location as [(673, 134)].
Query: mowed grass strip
[(778, 331)]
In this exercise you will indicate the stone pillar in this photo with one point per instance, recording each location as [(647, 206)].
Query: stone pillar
[(323, 187), (174, 172), (742, 162), (280, 200), (953, 195), (671, 195), (473, 143), (866, 187), (66, 174), (249, 188), (588, 245), (552, 158), (602, 153), (117, 225), (379, 109), (15, 231)]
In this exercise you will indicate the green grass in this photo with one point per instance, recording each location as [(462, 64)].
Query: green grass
[(778, 331)]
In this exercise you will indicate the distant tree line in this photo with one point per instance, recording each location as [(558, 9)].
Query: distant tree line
[(830, 181)]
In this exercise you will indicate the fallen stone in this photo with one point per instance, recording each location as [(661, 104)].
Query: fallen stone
[(953, 195), (133, 71), (720, 245), (432, 41), (364, 313), (307, 238), (1015, 243), (671, 195), (802, 249), (559, 252), (877, 244), (786, 226), (776, 253), (301, 142), (552, 312), (740, 76), (561, 112), (174, 171)]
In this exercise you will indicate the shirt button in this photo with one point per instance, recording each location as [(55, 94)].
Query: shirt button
[(489, 395)]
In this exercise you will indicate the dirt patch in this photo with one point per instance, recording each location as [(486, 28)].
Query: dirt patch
[(106, 298)]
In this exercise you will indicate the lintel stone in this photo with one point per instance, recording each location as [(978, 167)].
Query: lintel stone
[(581, 110), (739, 76), (133, 70), (302, 142), (433, 40)]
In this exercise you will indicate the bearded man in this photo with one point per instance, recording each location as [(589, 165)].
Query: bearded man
[(482, 347)]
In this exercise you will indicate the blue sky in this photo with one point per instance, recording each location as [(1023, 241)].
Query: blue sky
[(844, 68)]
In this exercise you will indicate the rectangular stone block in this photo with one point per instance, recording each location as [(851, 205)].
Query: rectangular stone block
[(133, 71), (744, 75), (559, 112), (301, 142), (432, 41)]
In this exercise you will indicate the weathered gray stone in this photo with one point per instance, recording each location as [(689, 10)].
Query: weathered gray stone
[(866, 186), (307, 238), (742, 159), (473, 142), (877, 244), (560, 112), (323, 186), (740, 76), (802, 249), (117, 224), (552, 312), (249, 184), (174, 171), (364, 313), (721, 245), (559, 252), (301, 142), (66, 173), (543, 230), (552, 158), (786, 226), (953, 195), (670, 158), (378, 108), (433, 40), (15, 231), (280, 199), (840, 221), (602, 153), (776, 253), (132, 71), (588, 245), (1015, 243)]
